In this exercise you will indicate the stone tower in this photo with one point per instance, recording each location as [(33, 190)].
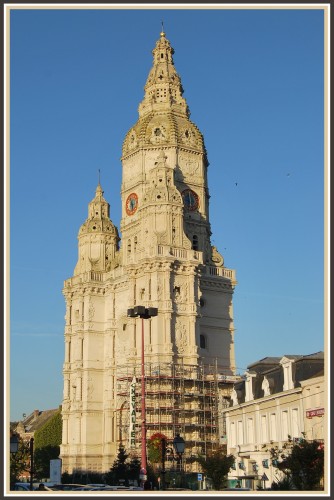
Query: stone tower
[(165, 261)]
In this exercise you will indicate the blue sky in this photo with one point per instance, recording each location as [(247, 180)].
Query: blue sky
[(253, 80)]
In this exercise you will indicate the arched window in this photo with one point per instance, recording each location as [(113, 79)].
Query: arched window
[(129, 246), (195, 242), (202, 341)]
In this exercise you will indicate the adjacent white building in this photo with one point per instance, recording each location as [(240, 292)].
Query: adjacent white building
[(278, 398)]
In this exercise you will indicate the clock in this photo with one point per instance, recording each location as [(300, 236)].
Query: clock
[(131, 204), (190, 199)]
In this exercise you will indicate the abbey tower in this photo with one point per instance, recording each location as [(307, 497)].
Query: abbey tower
[(164, 260)]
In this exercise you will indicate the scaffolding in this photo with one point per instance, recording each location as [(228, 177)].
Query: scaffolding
[(179, 399)]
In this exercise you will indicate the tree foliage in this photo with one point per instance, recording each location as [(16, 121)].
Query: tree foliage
[(124, 468), (216, 466), (19, 461), (301, 463), (47, 442), (51, 432), (42, 457)]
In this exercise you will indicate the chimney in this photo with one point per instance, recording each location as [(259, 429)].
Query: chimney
[(36, 413)]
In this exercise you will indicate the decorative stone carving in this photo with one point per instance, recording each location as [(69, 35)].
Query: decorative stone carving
[(159, 288), (132, 140), (91, 311), (90, 388), (181, 340), (189, 166), (216, 257), (158, 134), (234, 397), (265, 386)]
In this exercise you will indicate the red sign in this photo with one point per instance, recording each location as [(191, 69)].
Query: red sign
[(315, 413)]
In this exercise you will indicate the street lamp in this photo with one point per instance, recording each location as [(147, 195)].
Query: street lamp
[(143, 313), (14, 443), (179, 445)]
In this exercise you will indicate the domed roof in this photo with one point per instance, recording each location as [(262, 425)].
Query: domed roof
[(98, 220)]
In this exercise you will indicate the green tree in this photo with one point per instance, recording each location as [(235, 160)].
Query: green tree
[(154, 448), (134, 468), (216, 466), (120, 468), (283, 484), (301, 463), (42, 457), (152, 477)]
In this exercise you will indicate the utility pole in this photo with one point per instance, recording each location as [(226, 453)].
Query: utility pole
[(31, 450), (143, 313), (163, 459)]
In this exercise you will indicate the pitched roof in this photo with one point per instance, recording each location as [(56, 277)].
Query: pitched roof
[(304, 367), (36, 420)]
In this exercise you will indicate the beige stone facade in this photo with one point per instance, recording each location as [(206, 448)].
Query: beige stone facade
[(164, 260), (314, 402), (280, 401)]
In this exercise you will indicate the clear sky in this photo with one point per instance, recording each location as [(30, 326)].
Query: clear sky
[(253, 80)]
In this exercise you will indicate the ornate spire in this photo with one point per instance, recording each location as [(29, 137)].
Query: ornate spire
[(99, 193), (163, 113), (163, 89), (98, 236)]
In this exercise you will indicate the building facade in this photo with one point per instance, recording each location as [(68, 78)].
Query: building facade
[(164, 260), (280, 401)]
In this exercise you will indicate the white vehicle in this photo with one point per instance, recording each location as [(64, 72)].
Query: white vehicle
[(99, 485)]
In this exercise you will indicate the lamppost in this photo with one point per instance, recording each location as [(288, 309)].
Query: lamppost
[(179, 445), (31, 450), (14, 448), (163, 461), (143, 313)]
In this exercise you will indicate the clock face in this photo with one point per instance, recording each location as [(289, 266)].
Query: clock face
[(190, 199), (131, 204)]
